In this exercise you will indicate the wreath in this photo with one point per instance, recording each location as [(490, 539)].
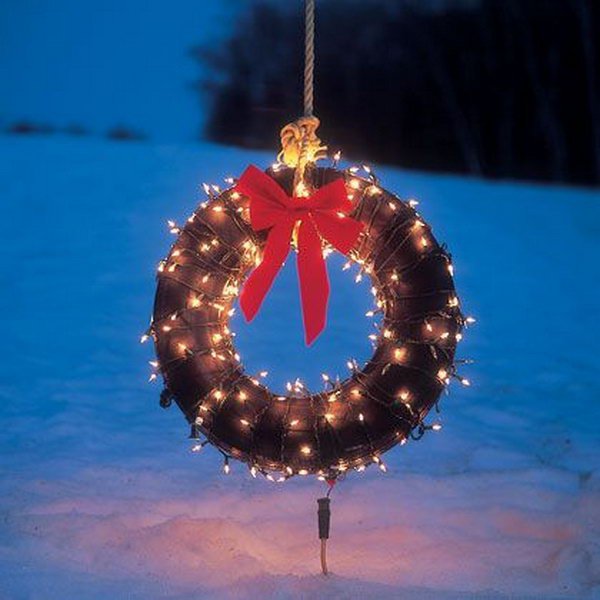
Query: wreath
[(247, 230)]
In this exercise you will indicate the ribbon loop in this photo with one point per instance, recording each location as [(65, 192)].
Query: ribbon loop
[(322, 216)]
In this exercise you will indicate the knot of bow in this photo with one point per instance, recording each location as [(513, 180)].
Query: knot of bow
[(321, 216)]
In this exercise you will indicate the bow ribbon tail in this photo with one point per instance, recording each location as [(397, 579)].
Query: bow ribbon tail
[(261, 279), (313, 280)]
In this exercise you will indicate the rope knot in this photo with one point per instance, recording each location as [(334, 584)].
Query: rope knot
[(300, 144)]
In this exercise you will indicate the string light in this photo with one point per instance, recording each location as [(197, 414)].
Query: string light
[(204, 273)]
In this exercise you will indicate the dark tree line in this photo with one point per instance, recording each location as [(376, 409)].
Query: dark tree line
[(501, 88)]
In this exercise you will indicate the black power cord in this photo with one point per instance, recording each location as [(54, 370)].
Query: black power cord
[(324, 514)]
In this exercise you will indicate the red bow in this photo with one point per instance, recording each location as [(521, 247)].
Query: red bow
[(322, 215)]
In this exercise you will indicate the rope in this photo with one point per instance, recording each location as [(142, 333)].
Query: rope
[(300, 145), (309, 56)]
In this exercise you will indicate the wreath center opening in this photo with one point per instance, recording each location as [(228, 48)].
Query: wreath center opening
[(273, 341)]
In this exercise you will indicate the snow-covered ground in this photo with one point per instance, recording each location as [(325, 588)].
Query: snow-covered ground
[(99, 495)]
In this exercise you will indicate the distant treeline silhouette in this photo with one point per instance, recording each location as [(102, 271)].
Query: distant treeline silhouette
[(120, 133), (500, 88)]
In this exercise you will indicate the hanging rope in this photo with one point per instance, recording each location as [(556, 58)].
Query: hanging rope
[(309, 56), (300, 145)]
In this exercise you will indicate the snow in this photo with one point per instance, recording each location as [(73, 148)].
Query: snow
[(99, 494)]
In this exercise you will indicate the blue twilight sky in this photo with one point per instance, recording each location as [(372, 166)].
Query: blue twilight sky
[(102, 62)]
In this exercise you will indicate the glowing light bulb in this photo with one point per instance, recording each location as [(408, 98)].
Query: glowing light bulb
[(306, 450), (400, 353), (242, 396), (144, 338), (436, 426)]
